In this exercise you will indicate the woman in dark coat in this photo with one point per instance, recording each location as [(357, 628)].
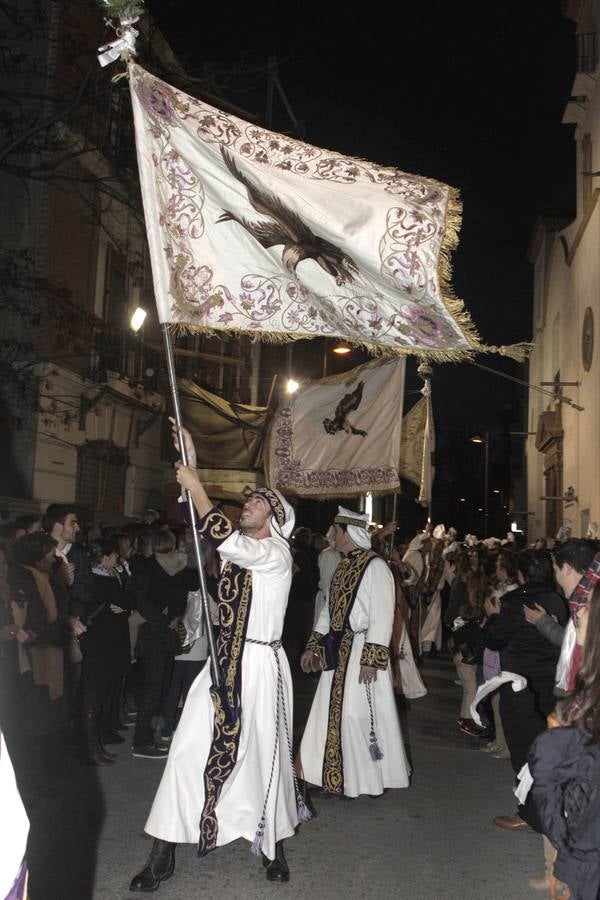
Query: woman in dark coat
[(106, 653), (39, 608)]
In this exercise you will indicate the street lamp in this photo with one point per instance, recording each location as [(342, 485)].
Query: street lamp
[(137, 319), (340, 349), (292, 386), (485, 440)]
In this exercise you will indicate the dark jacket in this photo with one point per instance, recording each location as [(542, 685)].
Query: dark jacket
[(165, 591), (459, 596), (82, 589), (523, 649), (566, 770), (24, 590)]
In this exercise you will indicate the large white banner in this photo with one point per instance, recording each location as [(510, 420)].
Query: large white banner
[(254, 231), (340, 436)]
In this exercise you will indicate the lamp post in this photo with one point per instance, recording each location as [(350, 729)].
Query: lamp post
[(485, 440)]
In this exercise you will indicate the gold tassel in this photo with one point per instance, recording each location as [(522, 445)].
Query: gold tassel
[(519, 352)]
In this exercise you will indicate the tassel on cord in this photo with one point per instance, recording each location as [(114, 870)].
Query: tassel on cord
[(257, 843), (374, 748), (304, 813), (518, 352)]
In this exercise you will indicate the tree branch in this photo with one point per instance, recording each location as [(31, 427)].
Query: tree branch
[(60, 114)]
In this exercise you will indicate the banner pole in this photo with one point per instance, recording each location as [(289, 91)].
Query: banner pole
[(394, 514), (425, 372), (212, 647)]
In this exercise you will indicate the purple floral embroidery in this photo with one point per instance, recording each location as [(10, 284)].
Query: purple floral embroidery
[(408, 312)]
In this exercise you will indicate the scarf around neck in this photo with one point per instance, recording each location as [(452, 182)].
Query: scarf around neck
[(47, 660)]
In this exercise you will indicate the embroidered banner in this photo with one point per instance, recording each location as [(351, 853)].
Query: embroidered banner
[(226, 435), (417, 445), (254, 231), (339, 436)]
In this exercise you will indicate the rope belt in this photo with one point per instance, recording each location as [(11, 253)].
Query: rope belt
[(274, 645), (280, 713)]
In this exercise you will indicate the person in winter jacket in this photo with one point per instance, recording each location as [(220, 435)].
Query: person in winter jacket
[(525, 651), (565, 765)]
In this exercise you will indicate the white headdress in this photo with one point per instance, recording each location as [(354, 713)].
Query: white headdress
[(356, 526), (417, 542), (283, 519), (439, 532)]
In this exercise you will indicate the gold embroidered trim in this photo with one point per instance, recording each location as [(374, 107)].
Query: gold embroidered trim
[(314, 641), (234, 583), (215, 526), (344, 585), (342, 593), (347, 520), (375, 655), (333, 762)]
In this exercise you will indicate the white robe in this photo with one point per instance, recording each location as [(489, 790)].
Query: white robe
[(373, 613), (410, 678), (431, 628), (329, 560), (177, 807), (14, 824)]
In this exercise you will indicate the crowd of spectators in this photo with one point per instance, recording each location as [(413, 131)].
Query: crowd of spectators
[(91, 641), (527, 658)]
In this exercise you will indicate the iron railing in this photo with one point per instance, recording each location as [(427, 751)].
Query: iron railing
[(587, 52)]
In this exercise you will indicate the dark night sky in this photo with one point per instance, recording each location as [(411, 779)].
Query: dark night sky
[(468, 93)]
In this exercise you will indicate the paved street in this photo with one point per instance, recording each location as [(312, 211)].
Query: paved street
[(434, 840)]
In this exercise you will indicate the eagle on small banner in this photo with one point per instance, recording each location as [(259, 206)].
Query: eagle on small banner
[(314, 454), (255, 232), (347, 404)]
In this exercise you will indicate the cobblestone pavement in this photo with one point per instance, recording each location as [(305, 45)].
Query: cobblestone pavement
[(433, 840)]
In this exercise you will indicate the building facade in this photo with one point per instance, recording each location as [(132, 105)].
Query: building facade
[(563, 446), (82, 398)]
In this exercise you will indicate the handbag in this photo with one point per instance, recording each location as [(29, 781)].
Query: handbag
[(181, 632), (469, 642)]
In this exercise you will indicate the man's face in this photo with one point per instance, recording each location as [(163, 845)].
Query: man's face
[(566, 577), (341, 540), (70, 528), (255, 514)]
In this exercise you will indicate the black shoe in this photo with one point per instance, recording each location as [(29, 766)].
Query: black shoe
[(150, 751), (277, 869), (160, 866)]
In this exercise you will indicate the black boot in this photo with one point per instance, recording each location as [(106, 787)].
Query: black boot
[(160, 866), (94, 754), (277, 869)]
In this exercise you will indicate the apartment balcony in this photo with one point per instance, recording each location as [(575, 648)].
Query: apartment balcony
[(584, 84), (587, 53), (79, 341)]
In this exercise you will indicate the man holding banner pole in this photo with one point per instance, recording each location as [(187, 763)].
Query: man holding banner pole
[(229, 773)]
